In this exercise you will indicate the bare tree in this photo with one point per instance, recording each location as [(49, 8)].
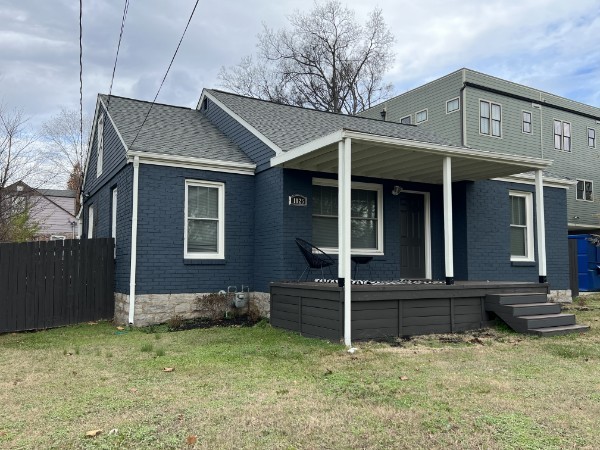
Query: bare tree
[(66, 147), (326, 61), (18, 160)]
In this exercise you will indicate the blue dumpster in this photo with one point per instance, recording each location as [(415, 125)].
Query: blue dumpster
[(588, 262)]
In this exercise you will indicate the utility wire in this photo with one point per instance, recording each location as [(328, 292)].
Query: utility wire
[(166, 73), (125, 9), (80, 75)]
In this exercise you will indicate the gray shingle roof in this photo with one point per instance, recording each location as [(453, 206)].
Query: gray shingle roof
[(171, 130), (289, 126), (57, 193)]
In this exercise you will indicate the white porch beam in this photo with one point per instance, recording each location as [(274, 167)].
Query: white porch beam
[(541, 225), (344, 232), (448, 231)]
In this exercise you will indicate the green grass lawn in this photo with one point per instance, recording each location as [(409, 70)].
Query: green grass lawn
[(265, 388)]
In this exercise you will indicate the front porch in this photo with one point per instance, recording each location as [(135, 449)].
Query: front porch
[(387, 311)]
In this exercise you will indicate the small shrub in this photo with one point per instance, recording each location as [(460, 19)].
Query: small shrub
[(175, 323), (254, 314), (214, 305), (147, 347)]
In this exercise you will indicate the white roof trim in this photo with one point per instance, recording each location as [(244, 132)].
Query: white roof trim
[(309, 147), (114, 125), (426, 147), (524, 178), (242, 122), (190, 162), (581, 226)]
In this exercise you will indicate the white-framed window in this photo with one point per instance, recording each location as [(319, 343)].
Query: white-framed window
[(521, 226), (526, 122), (90, 232), (585, 190), (366, 217), (490, 118), (204, 234), (406, 120), (591, 132), (562, 135), (452, 105), (421, 116), (100, 145), (113, 222)]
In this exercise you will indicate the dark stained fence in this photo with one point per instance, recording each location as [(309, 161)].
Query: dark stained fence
[(573, 268), (55, 283)]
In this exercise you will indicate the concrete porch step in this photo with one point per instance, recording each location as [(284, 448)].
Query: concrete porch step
[(557, 331)]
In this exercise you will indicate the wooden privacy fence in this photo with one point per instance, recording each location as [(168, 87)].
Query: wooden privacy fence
[(54, 283)]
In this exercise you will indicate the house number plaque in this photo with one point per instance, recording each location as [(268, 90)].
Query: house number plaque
[(298, 200)]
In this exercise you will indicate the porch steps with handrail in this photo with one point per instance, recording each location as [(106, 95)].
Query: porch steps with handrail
[(532, 314)]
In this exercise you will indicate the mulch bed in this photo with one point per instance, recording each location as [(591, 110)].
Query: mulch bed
[(240, 321)]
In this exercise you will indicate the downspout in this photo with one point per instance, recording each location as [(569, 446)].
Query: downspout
[(463, 106), (134, 221)]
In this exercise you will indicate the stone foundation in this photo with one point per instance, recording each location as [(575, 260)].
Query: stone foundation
[(560, 296), (153, 309)]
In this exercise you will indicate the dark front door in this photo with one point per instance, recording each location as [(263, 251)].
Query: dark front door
[(412, 235)]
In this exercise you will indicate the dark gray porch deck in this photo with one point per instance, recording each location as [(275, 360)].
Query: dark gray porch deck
[(385, 311)]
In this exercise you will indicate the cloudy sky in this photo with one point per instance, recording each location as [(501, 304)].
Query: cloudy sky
[(551, 45)]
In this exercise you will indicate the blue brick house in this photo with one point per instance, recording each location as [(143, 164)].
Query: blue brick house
[(198, 200)]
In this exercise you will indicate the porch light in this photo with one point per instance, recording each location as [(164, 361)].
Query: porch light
[(397, 190)]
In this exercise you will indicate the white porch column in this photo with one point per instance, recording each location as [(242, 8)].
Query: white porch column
[(344, 231), (541, 225), (448, 231)]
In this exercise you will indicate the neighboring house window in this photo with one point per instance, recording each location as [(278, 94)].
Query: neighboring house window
[(490, 118), (406, 120), (452, 105), (113, 222), (100, 145), (562, 135), (521, 226), (366, 216), (421, 116), (591, 137), (526, 122), (91, 218), (204, 220), (585, 190)]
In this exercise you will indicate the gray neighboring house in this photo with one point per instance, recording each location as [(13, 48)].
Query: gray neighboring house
[(476, 110), (52, 209)]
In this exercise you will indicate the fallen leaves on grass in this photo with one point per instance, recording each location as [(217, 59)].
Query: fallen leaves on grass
[(168, 369), (404, 378), (93, 433), (120, 328), (191, 439), (92, 323)]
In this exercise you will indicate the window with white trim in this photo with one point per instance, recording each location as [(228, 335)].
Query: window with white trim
[(100, 145), (452, 105), (366, 217), (91, 218), (526, 122), (406, 120), (204, 234), (591, 137), (562, 135), (421, 116), (521, 226), (490, 118), (585, 190)]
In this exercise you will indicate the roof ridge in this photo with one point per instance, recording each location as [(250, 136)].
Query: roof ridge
[(147, 101), (307, 109)]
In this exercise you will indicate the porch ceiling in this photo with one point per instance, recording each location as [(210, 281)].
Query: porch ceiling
[(398, 159)]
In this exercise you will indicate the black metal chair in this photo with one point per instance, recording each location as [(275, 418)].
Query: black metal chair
[(361, 260), (315, 258)]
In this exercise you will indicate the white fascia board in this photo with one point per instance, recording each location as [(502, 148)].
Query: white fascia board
[(242, 122), (90, 140), (309, 147), (446, 150), (523, 178), (114, 125), (190, 162)]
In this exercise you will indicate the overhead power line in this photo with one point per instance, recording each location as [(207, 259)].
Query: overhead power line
[(80, 74), (125, 9), (166, 73)]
